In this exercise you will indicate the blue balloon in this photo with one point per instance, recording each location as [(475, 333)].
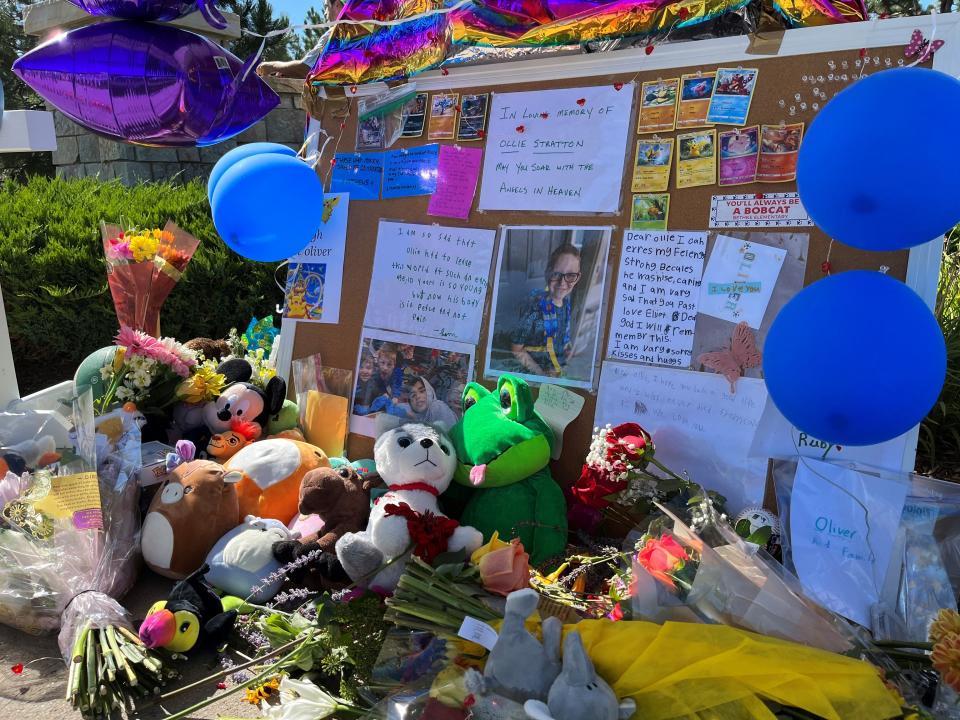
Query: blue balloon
[(268, 207), (866, 192), (855, 359), (238, 154)]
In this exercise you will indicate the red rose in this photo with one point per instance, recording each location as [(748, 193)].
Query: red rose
[(594, 486)]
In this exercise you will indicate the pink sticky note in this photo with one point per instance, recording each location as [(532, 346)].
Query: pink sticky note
[(457, 173)]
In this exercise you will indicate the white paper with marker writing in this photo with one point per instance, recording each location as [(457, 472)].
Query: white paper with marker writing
[(430, 280), (697, 425), (739, 280), (557, 150), (558, 407), (777, 438), (842, 529), (657, 292)]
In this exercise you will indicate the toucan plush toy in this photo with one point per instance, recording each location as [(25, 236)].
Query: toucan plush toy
[(193, 614)]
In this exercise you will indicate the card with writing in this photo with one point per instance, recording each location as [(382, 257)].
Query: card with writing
[(732, 95), (473, 117), (779, 145), (697, 158), (651, 166), (658, 106), (739, 151), (650, 211), (694, 101), (443, 116)]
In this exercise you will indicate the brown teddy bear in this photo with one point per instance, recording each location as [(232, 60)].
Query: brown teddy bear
[(341, 497)]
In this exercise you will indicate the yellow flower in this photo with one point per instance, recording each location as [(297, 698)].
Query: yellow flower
[(143, 247), (946, 659), (263, 692), (118, 357), (947, 623), (205, 384), (155, 233), (552, 578), (495, 544)]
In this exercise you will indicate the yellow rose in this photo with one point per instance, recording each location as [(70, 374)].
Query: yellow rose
[(495, 544)]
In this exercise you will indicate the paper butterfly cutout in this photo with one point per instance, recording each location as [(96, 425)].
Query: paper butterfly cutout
[(921, 48), (742, 355)]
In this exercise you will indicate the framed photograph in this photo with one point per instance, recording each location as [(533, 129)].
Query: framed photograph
[(404, 378), (548, 312)]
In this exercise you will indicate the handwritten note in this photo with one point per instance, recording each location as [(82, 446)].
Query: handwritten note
[(315, 274), (359, 174), (410, 171), (430, 280), (457, 174), (558, 407), (697, 425), (778, 438), (655, 307), (739, 280), (557, 150), (842, 528)]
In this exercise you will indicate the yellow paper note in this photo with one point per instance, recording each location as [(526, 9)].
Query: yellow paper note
[(324, 421), (697, 158), (75, 497)]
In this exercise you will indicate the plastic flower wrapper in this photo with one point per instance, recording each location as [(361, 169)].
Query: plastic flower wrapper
[(143, 266), (260, 334), (735, 585)]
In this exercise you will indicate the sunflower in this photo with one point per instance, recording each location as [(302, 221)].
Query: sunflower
[(263, 692)]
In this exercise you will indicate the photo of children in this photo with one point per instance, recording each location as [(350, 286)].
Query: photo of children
[(409, 383), (548, 304)]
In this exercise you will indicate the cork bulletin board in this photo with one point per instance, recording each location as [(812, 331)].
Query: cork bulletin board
[(785, 80)]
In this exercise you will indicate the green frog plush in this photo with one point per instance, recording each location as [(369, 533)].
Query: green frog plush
[(503, 448)]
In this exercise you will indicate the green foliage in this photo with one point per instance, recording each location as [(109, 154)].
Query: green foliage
[(938, 451), (307, 39), (256, 16), (53, 276)]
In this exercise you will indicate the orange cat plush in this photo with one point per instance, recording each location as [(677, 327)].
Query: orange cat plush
[(271, 473)]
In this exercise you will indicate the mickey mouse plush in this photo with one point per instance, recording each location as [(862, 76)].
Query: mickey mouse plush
[(241, 400)]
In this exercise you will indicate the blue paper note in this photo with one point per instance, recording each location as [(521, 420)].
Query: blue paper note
[(410, 171), (359, 174)]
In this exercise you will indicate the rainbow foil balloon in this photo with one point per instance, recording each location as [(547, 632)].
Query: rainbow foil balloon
[(147, 84), (410, 42)]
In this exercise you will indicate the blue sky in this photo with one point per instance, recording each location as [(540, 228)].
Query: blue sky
[(296, 10)]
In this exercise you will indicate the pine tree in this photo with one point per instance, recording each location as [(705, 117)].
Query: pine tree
[(308, 39), (257, 16)]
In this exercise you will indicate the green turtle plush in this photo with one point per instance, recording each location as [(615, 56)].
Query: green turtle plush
[(503, 448)]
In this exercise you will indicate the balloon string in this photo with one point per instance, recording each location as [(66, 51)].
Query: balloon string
[(927, 51)]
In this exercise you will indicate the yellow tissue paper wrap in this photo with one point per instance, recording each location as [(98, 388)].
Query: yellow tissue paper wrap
[(715, 672)]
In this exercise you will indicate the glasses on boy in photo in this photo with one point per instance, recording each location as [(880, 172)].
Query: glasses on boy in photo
[(568, 278)]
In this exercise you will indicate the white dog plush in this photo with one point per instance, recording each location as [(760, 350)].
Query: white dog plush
[(416, 462)]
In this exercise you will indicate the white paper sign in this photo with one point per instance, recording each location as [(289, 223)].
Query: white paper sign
[(842, 528), (758, 210), (430, 280), (557, 150), (739, 280), (478, 632), (778, 438), (558, 407), (322, 258), (655, 306), (697, 425)]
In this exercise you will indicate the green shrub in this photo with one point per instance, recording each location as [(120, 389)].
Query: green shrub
[(53, 277), (938, 451)]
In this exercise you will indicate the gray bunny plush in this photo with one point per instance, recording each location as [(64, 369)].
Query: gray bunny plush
[(579, 693), (519, 666)]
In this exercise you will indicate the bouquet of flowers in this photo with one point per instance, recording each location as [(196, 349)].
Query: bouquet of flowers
[(146, 371), (622, 473), (143, 266)]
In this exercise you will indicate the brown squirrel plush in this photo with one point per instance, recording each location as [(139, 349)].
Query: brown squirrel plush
[(341, 497)]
